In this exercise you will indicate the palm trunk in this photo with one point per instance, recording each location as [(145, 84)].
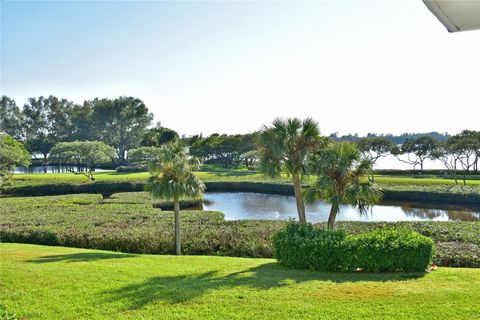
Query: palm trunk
[(176, 208), (297, 188), (332, 216)]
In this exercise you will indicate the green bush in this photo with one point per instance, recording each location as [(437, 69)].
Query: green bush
[(302, 246), (135, 168), (307, 247), (392, 250)]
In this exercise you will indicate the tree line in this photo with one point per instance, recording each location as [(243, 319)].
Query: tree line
[(122, 123), (125, 124)]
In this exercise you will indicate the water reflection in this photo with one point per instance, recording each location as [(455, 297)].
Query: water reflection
[(243, 205)]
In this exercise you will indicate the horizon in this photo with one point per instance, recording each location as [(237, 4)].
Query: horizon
[(231, 67)]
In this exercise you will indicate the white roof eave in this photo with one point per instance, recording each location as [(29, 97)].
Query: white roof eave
[(456, 15)]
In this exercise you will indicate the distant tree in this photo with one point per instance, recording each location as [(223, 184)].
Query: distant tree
[(143, 155), (447, 153), (250, 158), (339, 168), (374, 148), (172, 178), (284, 148), (46, 121), (421, 149), (158, 135), (10, 118), (83, 125), (12, 153), (84, 155), (224, 150), (120, 123)]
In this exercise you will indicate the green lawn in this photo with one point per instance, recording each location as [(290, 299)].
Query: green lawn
[(224, 175), (40, 282)]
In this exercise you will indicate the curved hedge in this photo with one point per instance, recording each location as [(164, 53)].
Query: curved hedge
[(431, 194), (303, 246)]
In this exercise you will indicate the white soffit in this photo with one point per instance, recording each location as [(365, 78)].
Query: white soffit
[(456, 15)]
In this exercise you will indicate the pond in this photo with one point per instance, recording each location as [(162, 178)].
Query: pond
[(256, 206)]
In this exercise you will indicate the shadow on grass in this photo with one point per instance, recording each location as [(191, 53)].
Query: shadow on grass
[(183, 288), (80, 257)]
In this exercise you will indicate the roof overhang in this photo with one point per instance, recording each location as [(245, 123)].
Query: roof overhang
[(456, 15)]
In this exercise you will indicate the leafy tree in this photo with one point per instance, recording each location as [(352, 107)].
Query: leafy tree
[(83, 126), (12, 154), (448, 153), (46, 121), (225, 150), (120, 123), (10, 118), (172, 178), (285, 147), (143, 155), (84, 155), (250, 158), (339, 168), (374, 148), (158, 135), (421, 148)]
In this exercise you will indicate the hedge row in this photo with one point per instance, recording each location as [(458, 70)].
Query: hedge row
[(303, 246), (433, 194)]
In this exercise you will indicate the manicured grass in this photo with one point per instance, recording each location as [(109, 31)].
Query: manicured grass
[(221, 175), (127, 222), (40, 282)]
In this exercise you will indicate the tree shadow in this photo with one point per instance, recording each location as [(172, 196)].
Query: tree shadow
[(183, 288), (80, 257)]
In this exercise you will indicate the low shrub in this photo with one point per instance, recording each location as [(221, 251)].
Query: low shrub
[(392, 250), (303, 246), (138, 168)]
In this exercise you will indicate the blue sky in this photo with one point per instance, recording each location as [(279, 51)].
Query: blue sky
[(228, 67)]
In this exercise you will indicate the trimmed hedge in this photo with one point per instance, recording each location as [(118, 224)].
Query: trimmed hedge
[(139, 168), (104, 188), (303, 246), (430, 194), (392, 250)]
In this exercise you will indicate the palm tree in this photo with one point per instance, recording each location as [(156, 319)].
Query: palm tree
[(339, 168), (172, 178), (285, 147)]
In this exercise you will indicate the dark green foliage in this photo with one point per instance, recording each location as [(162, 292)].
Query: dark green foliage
[(225, 150), (136, 168), (432, 194), (104, 188), (184, 204), (303, 246), (392, 251), (307, 247)]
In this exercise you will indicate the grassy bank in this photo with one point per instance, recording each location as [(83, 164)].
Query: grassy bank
[(127, 222), (88, 284)]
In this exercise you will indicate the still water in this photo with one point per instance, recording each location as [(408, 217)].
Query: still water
[(256, 206)]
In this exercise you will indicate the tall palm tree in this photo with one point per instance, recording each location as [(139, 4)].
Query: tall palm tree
[(339, 168), (172, 178), (285, 147)]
